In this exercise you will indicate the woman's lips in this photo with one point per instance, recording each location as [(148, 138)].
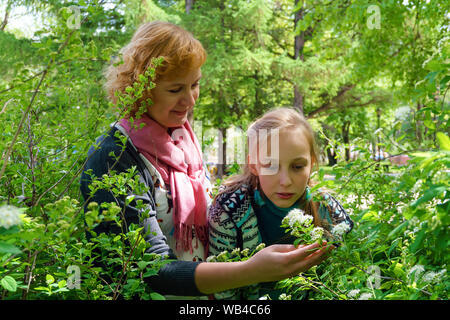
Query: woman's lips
[(285, 195), (179, 113)]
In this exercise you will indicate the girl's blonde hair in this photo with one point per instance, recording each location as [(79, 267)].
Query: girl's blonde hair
[(180, 50), (279, 118)]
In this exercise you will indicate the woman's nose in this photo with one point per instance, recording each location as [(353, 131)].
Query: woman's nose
[(189, 98)]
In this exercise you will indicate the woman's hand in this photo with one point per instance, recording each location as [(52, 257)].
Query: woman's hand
[(278, 262)]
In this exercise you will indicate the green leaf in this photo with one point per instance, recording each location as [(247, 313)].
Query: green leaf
[(444, 141), (62, 284), (418, 241), (156, 296), (395, 296), (9, 283), (429, 194), (398, 269), (397, 229), (393, 245), (49, 279), (6, 247), (150, 273)]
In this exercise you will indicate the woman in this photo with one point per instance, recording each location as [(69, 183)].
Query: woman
[(168, 160)]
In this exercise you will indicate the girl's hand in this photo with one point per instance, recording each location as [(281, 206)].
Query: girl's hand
[(273, 263), (278, 262)]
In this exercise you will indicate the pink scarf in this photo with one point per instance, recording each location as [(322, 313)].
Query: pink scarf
[(179, 161)]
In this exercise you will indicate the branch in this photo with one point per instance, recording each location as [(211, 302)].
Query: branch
[(22, 120), (329, 104)]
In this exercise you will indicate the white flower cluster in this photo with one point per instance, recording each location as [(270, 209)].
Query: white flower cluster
[(357, 294), (353, 293), (340, 229), (285, 296), (301, 226), (434, 277), (416, 271), (365, 296), (9, 216), (296, 218), (316, 233)]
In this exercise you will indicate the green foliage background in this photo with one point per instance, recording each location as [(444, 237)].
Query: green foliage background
[(353, 79)]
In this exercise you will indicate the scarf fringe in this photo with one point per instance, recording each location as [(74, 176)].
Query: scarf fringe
[(183, 233)]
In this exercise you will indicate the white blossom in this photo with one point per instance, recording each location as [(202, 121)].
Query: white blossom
[(353, 293), (297, 217), (434, 277), (284, 296), (340, 229), (316, 233), (260, 246), (365, 296), (416, 271), (9, 216)]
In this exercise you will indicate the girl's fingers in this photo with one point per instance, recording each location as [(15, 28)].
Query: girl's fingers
[(301, 253), (313, 259)]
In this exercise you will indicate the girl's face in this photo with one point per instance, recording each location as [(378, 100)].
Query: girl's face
[(174, 98), (287, 184)]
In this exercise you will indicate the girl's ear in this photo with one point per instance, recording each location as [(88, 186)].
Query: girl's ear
[(252, 167)]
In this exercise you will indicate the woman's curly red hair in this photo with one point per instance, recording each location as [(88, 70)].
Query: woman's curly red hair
[(180, 50)]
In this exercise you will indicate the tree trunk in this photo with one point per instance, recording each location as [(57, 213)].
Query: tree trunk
[(332, 157), (222, 157), (5, 18), (299, 44), (418, 125), (346, 139), (188, 5)]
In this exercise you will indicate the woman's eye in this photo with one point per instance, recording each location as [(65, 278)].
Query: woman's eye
[(195, 85), (175, 90), (298, 167)]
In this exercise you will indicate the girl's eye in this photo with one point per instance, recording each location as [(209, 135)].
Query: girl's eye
[(195, 85), (298, 167), (175, 90), (266, 165)]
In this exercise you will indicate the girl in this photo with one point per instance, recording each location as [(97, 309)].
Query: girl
[(250, 207), (178, 193)]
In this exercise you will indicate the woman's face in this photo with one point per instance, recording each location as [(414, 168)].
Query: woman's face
[(174, 98), (285, 183)]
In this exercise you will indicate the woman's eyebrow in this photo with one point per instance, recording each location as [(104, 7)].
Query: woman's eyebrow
[(182, 84)]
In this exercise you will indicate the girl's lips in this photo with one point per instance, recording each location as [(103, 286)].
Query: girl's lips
[(284, 195)]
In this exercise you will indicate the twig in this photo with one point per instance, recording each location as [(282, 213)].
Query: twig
[(6, 104), (385, 277), (371, 164), (36, 90)]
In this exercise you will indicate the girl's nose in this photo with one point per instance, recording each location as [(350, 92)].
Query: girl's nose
[(285, 179)]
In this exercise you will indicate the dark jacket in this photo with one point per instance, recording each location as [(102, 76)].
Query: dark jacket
[(175, 278)]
